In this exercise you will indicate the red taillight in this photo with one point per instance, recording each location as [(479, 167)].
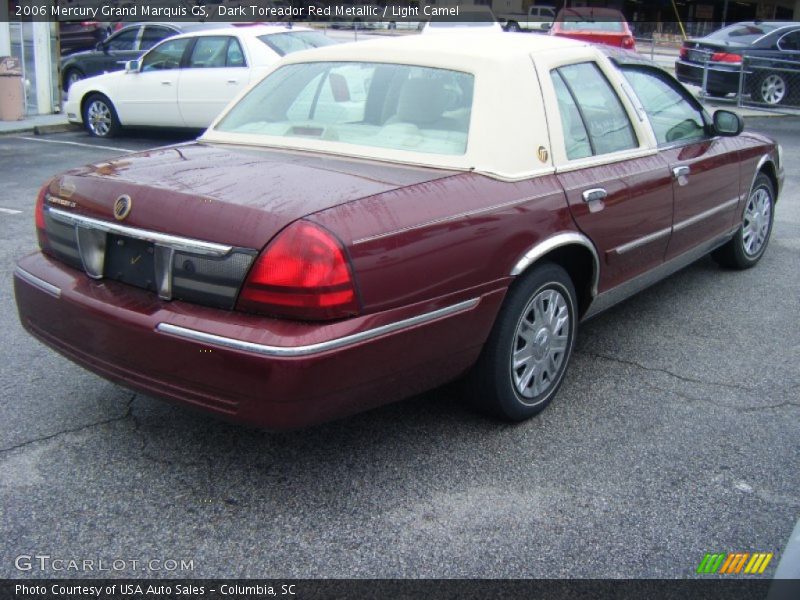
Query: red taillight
[(726, 57), (41, 232), (629, 43), (684, 52), (303, 273)]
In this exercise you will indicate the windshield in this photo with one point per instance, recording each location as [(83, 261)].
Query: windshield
[(293, 41), (742, 33), (402, 107)]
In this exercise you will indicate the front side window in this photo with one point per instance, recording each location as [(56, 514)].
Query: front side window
[(592, 116), (165, 56), (673, 117), (123, 41), (154, 34), (400, 107)]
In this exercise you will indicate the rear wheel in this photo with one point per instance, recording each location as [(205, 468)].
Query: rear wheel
[(747, 247), (513, 26), (99, 116), (524, 360), (771, 89)]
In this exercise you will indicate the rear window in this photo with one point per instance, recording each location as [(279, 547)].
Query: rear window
[(294, 41), (401, 107), (742, 33), (606, 26)]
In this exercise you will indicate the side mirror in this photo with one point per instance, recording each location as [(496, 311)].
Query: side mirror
[(101, 47), (728, 123), (133, 66)]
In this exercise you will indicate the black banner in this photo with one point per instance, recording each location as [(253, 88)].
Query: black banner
[(456, 589)]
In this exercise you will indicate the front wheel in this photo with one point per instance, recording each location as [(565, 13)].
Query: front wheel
[(72, 76), (99, 117), (747, 247), (526, 356)]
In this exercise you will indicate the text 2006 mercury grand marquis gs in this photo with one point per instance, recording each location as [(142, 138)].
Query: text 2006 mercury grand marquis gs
[(373, 220)]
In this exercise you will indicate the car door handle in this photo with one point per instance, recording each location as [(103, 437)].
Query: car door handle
[(233, 81), (166, 83), (594, 194), (683, 171)]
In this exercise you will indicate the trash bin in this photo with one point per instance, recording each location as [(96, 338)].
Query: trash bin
[(12, 102)]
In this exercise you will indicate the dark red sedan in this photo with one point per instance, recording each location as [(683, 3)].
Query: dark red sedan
[(597, 25), (373, 220)]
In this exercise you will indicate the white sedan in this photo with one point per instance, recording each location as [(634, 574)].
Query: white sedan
[(186, 80)]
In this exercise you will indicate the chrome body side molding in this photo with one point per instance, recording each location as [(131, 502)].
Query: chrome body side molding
[(650, 237), (625, 290), (704, 215), (290, 351), (557, 241)]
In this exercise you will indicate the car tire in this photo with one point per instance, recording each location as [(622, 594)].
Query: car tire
[(99, 117), (513, 26), (71, 76), (747, 246), (771, 89), (525, 358)]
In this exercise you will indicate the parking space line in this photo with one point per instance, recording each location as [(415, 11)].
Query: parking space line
[(31, 139), (10, 211)]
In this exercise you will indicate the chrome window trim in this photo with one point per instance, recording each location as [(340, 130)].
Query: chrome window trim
[(650, 237), (174, 241), (35, 281), (704, 215), (292, 351), (557, 241)]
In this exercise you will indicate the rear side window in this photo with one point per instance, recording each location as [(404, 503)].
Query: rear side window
[(592, 117)]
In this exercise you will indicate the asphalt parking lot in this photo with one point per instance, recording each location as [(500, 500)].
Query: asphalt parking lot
[(675, 434)]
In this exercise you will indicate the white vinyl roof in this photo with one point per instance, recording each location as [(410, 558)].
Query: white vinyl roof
[(508, 126)]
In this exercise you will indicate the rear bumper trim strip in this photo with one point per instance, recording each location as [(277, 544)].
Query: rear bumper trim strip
[(290, 351), (39, 283)]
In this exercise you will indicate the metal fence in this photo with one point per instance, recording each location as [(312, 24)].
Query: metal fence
[(769, 83), (760, 82)]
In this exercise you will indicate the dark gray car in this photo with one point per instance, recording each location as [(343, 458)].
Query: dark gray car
[(129, 43)]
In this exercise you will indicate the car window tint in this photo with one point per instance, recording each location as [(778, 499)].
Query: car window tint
[(235, 56), (292, 41), (167, 55), (209, 52), (673, 117), (403, 107), (599, 107), (124, 40), (790, 42), (154, 34), (576, 140)]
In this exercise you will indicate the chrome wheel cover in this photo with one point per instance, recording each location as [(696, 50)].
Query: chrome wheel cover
[(773, 89), (540, 344), (755, 228), (99, 118)]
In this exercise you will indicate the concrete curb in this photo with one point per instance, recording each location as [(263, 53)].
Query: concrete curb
[(57, 128)]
